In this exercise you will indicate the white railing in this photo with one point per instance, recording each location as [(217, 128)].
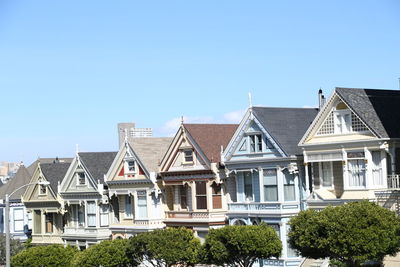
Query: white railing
[(393, 181), (263, 207), (84, 231), (194, 214)]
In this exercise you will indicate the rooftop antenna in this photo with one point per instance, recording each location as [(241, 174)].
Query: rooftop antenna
[(250, 104)]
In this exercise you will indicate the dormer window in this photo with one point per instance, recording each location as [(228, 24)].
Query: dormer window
[(188, 156), (42, 189), (255, 143), (341, 121), (81, 177), (130, 166)]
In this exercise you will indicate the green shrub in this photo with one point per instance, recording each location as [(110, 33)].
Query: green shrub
[(108, 253), (49, 256)]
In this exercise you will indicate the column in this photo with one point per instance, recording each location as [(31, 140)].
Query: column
[(261, 183), (209, 195), (193, 195)]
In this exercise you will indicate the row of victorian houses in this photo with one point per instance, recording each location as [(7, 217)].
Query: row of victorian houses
[(275, 163)]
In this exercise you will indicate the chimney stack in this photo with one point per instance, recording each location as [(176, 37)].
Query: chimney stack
[(321, 99)]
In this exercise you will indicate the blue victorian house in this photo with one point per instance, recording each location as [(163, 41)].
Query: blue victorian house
[(265, 172)]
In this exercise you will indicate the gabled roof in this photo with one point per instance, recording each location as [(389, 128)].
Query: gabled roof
[(379, 109), (210, 137), (97, 163), (31, 168), (286, 125), (54, 173), (22, 177), (150, 150)]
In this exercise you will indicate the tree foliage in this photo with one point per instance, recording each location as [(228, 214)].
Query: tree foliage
[(353, 233), (164, 247), (241, 245), (15, 247), (108, 253), (49, 256)]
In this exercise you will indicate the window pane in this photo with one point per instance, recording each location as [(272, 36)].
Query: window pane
[(49, 222), (289, 188), (18, 214), (252, 143), (200, 188), (91, 207), (270, 185), (142, 206), (128, 206), (248, 186), (37, 222), (104, 219), (201, 202), (18, 226), (356, 172), (327, 175), (81, 215), (91, 220)]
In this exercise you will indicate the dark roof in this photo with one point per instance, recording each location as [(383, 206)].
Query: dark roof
[(22, 177), (379, 109), (54, 173), (286, 125), (31, 168), (210, 138), (97, 163)]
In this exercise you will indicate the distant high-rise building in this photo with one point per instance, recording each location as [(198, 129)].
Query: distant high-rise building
[(130, 129)]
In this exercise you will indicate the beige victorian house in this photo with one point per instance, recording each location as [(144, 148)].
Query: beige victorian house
[(192, 177), (351, 150), (84, 199), (133, 190), (45, 204)]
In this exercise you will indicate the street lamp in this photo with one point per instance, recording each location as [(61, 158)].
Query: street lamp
[(7, 217)]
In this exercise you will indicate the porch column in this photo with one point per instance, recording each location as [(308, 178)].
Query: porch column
[(209, 195), (261, 183), (307, 178), (193, 195), (176, 197)]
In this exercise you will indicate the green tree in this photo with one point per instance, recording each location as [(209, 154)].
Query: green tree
[(241, 245), (352, 234), (108, 253), (49, 256), (165, 247), (15, 247)]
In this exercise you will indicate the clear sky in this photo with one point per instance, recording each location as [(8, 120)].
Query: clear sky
[(71, 70)]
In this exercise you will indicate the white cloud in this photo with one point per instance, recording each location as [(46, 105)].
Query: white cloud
[(234, 116), (170, 127)]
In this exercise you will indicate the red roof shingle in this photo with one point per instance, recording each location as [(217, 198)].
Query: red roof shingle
[(210, 137)]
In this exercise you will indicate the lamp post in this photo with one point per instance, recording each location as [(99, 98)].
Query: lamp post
[(7, 217)]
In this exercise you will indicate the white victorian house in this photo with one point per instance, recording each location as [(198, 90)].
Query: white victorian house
[(86, 209), (133, 190), (352, 150), (265, 172)]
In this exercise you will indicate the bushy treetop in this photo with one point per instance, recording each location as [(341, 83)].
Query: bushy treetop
[(241, 245), (353, 233)]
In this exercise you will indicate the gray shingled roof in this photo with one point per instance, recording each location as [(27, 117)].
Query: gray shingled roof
[(97, 163), (150, 150), (22, 177), (286, 125), (31, 168), (54, 173), (379, 109)]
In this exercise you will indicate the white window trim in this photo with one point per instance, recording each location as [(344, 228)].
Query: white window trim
[(14, 219), (87, 213), (347, 185), (126, 167), (184, 157)]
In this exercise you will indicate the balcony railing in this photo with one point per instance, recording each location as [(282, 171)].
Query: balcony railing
[(198, 215), (393, 181), (262, 207)]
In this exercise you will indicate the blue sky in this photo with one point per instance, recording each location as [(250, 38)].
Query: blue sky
[(71, 70)]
